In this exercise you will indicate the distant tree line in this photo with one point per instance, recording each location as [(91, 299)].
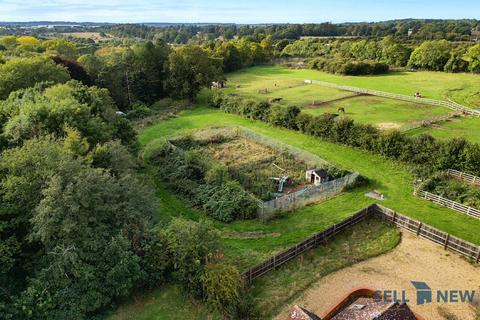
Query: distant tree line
[(336, 55), (424, 152), (452, 30)]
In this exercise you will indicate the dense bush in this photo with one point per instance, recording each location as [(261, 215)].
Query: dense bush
[(422, 150), (447, 187), (193, 245), (207, 186), (348, 67), (222, 285)]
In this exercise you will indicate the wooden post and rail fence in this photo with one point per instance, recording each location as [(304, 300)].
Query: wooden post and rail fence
[(459, 207), (447, 241), (470, 178), (447, 104)]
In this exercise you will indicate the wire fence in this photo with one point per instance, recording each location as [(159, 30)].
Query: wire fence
[(470, 178), (308, 158), (447, 241), (308, 195), (447, 104)]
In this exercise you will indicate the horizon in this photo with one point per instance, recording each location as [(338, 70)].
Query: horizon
[(228, 12)]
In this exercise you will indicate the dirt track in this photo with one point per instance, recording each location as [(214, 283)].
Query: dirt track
[(414, 259)]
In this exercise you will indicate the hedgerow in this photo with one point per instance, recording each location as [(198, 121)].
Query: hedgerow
[(426, 153)]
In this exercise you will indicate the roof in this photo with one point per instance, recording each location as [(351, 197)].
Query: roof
[(322, 173), (299, 313), (372, 309)]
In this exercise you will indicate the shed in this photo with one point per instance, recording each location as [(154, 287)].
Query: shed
[(316, 176)]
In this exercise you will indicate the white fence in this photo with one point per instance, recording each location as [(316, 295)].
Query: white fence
[(447, 104), (449, 204), (464, 176)]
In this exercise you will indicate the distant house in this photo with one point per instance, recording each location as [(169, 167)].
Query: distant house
[(316, 176)]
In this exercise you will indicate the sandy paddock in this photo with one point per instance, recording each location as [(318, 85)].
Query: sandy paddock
[(413, 259)]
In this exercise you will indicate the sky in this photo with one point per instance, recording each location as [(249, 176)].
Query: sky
[(235, 11)]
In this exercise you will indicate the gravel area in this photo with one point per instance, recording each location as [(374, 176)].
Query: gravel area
[(413, 259)]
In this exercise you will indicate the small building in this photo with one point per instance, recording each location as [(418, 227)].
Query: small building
[(316, 176)]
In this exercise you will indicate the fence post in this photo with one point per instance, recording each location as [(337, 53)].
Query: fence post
[(394, 216), (274, 262), (478, 255), (446, 241), (419, 228)]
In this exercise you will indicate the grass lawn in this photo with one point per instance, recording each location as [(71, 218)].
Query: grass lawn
[(462, 88), (167, 302), (468, 128), (292, 91), (368, 239), (385, 113), (389, 177)]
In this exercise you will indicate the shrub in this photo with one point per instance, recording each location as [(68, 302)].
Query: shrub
[(193, 245), (226, 202), (284, 117), (222, 285)]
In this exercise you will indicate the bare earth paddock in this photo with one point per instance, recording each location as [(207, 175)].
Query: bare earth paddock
[(413, 259)]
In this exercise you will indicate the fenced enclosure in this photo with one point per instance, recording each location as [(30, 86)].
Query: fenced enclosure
[(464, 176), (308, 195), (447, 241), (447, 104), (449, 203)]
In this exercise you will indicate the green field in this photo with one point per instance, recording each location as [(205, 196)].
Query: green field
[(460, 87), (385, 113), (467, 128)]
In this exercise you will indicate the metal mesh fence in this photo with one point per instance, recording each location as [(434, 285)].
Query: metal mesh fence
[(310, 194), (310, 159)]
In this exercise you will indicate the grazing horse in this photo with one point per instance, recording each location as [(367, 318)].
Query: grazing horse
[(341, 109)]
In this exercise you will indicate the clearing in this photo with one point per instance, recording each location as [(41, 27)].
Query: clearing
[(414, 259)]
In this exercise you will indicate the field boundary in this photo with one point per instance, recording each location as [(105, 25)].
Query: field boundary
[(428, 232), (470, 178), (422, 230), (459, 207), (447, 104)]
